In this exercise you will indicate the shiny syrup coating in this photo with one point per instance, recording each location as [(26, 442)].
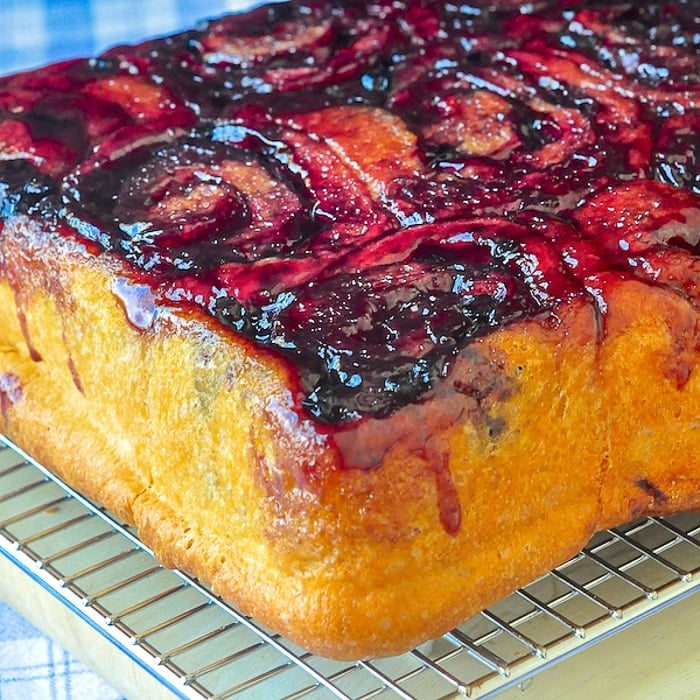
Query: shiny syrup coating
[(365, 188)]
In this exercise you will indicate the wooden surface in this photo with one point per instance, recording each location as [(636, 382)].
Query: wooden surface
[(76, 635), (657, 658)]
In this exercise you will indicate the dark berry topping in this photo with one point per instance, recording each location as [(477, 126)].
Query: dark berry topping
[(366, 188)]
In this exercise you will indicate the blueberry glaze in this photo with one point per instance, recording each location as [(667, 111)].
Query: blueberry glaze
[(365, 188)]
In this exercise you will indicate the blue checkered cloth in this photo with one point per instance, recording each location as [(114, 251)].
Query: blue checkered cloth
[(32, 667), (36, 32)]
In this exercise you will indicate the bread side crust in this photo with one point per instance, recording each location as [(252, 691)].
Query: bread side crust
[(542, 433)]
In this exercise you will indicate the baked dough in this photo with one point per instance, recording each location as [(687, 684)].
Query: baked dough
[(363, 314)]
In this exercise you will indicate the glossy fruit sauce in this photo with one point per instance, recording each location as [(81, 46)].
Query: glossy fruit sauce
[(364, 188)]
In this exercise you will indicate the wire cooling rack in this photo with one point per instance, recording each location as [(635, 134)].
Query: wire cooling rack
[(199, 647)]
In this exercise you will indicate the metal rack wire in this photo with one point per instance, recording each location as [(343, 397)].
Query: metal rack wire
[(198, 647)]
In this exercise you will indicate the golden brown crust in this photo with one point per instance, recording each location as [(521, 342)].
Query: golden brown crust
[(542, 434)]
